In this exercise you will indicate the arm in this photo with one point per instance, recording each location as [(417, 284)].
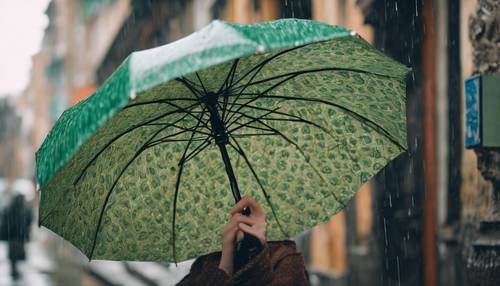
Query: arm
[(202, 274)]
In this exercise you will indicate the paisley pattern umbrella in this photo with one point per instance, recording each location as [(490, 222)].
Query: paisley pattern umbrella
[(296, 113)]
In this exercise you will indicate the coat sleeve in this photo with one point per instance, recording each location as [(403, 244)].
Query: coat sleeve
[(288, 270), (204, 273)]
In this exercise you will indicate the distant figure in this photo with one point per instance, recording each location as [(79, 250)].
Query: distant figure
[(16, 221)]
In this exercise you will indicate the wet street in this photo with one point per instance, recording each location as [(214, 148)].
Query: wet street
[(36, 270), (51, 261)]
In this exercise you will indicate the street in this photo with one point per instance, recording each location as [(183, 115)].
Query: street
[(52, 261)]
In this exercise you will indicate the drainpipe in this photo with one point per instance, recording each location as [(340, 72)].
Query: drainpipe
[(430, 165)]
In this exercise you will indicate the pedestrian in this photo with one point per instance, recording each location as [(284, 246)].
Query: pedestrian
[(16, 221), (277, 263)]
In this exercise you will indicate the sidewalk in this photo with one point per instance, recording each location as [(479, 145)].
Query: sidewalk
[(52, 261), (72, 268), (35, 271)]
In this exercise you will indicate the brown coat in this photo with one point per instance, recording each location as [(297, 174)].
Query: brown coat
[(278, 263)]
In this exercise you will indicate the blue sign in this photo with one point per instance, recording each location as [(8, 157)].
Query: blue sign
[(472, 115)]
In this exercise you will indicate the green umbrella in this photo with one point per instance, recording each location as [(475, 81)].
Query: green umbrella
[(296, 113)]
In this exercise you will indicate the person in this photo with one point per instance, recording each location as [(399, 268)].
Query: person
[(16, 221), (277, 263)]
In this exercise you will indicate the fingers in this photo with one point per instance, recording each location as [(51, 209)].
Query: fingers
[(247, 201), (254, 224), (240, 235), (238, 218), (257, 231), (231, 228)]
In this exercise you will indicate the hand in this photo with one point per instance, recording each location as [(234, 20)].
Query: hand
[(254, 224), (257, 225)]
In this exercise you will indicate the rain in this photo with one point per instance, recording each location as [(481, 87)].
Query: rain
[(371, 147)]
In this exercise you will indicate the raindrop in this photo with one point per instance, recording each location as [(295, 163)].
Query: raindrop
[(416, 8), (385, 233), (396, 8), (399, 274), (390, 200)]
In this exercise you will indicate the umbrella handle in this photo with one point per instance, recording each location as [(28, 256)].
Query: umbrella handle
[(247, 248)]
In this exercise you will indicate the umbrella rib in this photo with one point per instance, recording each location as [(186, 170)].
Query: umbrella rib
[(306, 71), (294, 118), (167, 138), (356, 115), (190, 112), (108, 195), (190, 86), (245, 86), (364, 120), (306, 158), (246, 123), (230, 76), (241, 92), (205, 124), (240, 151), (173, 140), (252, 135), (229, 80), (258, 68), (177, 184), (192, 129), (264, 62), (199, 149), (84, 170), (201, 82), (158, 101), (259, 95), (194, 84)]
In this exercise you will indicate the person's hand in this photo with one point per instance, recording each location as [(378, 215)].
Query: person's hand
[(254, 224)]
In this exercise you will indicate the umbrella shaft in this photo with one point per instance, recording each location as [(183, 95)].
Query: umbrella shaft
[(221, 139), (229, 171)]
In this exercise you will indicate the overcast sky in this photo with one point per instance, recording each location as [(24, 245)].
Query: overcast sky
[(21, 30)]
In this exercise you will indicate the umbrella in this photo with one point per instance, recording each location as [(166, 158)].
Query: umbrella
[(296, 113)]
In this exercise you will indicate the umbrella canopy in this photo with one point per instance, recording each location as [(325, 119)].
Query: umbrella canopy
[(308, 112)]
